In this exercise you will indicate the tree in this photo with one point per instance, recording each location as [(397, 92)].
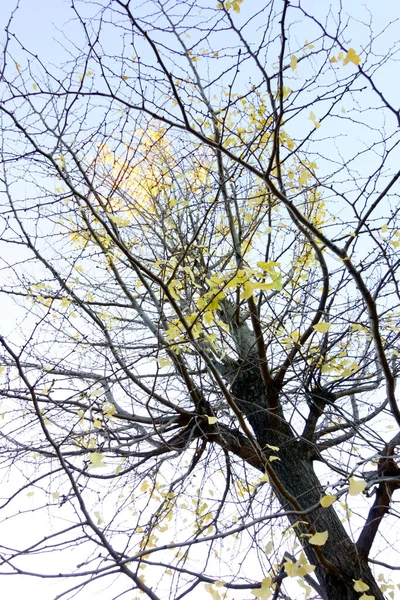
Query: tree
[(200, 235)]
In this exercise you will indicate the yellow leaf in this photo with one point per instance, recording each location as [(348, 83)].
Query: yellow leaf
[(212, 420), (208, 317), (264, 478), (98, 517), (367, 597), (305, 587), (268, 266), (265, 592), (333, 59), (351, 56), (164, 362), (314, 119), (219, 583), (293, 62), (299, 568), (96, 460), (275, 448), (97, 423), (360, 586), (109, 410), (248, 289), (322, 327), (327, 501), (268, 548), (356, 486), (319, 538), (65, 302), (214, 593)]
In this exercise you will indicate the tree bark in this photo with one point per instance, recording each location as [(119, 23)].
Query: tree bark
[(296, 473)]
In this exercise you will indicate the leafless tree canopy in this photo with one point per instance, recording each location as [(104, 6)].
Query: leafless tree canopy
[(200, 254)]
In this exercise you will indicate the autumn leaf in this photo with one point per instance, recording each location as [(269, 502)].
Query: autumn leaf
[(265, 591), (319, 538), (98, 517), (268, 548), (96, 460), (299, 568), (357, 486), (293, 63), (264, 478), (327, 501), (212, 420), (322, 327), (351, 56), (274, 448), (360, 586), (65, 302), (214, 593), (314, 119), (109, 410)]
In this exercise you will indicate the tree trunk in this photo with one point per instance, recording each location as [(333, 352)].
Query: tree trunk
[(296, 473)]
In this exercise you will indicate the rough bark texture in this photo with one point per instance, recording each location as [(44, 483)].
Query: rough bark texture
[(296, 473)]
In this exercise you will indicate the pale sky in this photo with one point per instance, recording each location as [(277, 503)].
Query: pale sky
[(39, 25)]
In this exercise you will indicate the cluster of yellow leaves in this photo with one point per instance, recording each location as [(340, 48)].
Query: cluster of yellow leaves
[(350, 57), (208, 303), (341, 366), (361, 586), (235, 4), (386, 586), (249, 122), (243, 279), (298, 568), (213, 589), (243, 488), (265, 591), (394, 239)]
